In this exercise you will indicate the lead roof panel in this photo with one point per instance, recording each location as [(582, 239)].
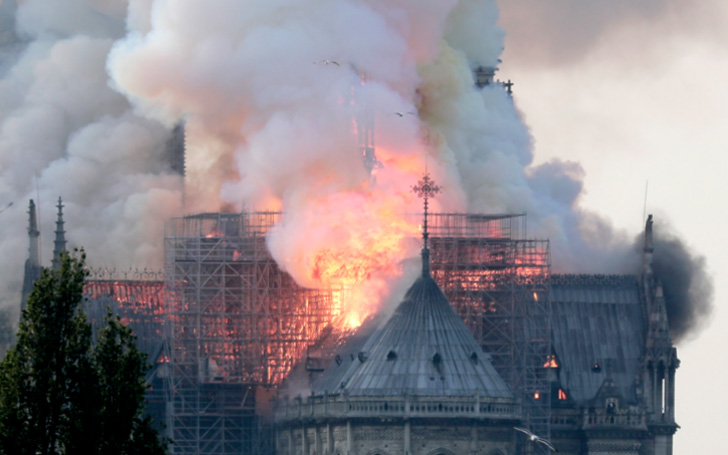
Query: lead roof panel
[(597, 320), (434, 354)]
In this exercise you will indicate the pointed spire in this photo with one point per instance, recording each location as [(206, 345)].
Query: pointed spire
[(648, 250), (658, 335), (32, 264), (60, 242), (33, 234), (425, 189)]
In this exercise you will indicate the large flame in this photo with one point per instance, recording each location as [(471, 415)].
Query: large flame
[(354, 241), (370, 242)]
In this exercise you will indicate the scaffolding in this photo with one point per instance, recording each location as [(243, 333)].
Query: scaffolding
[(498, 282), (137, 297), (237, 325), (139, 304)]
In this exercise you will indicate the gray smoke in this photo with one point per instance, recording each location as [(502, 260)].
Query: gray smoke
[(65, 132), (623, 34), (687, 286), (89, 90)]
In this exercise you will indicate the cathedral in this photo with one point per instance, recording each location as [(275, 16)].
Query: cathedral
[(488, 353), (420, 384), (579, 364)]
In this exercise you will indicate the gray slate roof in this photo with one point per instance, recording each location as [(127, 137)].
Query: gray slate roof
[(424, 349), (597, 319)]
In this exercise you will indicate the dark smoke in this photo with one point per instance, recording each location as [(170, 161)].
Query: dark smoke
[(687, 286)]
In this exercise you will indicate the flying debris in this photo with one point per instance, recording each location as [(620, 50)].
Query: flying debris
[(533, 438), (402, 114), (327, 62), (10, 204)]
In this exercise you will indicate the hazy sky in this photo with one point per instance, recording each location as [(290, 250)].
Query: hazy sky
[(635, 92)]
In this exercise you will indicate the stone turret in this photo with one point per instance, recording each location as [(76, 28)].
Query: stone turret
[(60, 241), (32, 263), (660, 356)]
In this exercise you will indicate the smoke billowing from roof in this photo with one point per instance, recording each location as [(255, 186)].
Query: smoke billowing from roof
[(269, 123), (87, 103), (687, 286)]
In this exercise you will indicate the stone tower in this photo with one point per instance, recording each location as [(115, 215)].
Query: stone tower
[(59, 244), (32, 263)]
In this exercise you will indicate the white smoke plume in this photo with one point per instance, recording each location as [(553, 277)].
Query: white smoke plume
[(271, 92), (65, 132)]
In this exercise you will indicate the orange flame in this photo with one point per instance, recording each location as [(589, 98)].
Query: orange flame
[(551, 362), (350, 240)]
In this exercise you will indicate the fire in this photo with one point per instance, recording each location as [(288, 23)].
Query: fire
[(353, 240), (352, 321), (551, 362), (331, 266)]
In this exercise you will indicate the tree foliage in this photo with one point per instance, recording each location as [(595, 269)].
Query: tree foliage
[(60, 393)]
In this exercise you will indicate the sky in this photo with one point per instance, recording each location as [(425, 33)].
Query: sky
[(635, 92), (617, 111)]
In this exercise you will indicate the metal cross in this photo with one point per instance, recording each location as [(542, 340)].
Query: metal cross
[(426, 188)]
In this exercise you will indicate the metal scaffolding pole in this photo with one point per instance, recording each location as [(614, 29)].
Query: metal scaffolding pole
[(231, 324), (237, 325), (499, 284)]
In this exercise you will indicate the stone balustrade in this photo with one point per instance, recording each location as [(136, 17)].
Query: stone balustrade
[(403, 407), (617, 419)]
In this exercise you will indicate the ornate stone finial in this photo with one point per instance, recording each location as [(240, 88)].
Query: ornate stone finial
[(425, 189)]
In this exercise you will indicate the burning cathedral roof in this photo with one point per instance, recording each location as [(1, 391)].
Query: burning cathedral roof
[(424, 349)]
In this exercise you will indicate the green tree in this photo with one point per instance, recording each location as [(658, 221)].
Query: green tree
[(60, 393)]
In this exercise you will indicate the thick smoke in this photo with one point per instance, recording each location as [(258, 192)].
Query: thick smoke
[(65, 132), (627, 34), (273, 94), (687, 286), (256, 83)]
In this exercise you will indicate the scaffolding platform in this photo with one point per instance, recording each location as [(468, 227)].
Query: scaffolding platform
[(229, 324), (238, 323)]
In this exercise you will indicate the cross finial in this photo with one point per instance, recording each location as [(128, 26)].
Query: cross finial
[(425, 189)]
